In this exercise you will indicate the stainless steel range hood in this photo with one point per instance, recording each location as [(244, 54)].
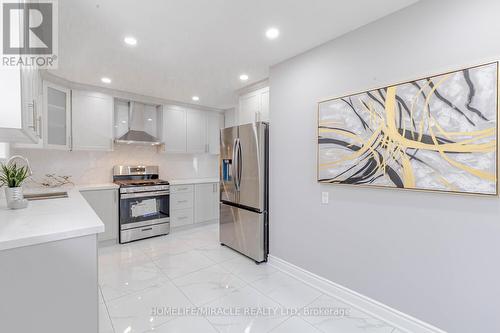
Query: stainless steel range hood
[(137, 133)]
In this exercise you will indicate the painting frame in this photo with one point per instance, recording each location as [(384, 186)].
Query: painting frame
[(496, 194)]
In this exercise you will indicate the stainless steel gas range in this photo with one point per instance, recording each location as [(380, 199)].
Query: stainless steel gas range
[(144, 202)]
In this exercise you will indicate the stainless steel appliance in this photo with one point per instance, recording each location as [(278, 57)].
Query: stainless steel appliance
[(144, 203), (244, 190), (141, 128)]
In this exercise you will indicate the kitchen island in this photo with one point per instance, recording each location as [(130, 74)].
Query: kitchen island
[(48, 260)]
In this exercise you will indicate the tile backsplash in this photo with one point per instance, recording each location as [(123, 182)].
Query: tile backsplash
[(96, 167)]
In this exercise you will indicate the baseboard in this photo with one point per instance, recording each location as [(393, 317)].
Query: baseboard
[(376, 309)]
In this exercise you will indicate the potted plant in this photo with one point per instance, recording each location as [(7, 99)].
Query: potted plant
[(13, 177)]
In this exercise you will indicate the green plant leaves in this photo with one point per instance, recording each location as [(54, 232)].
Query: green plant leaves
[(13, 176)]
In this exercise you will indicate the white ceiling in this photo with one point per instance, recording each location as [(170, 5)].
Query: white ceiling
[(197, 47)]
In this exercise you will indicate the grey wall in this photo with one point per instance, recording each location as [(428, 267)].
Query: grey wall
[(433, 256)]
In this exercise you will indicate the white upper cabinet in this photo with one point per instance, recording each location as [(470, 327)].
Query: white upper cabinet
[(20, 110), (215, 121), (32, 108), (196, 131), (57, 117), (191, 131), (264, 106), (92, 121), (174, 130), (249, 108), (254, 106)]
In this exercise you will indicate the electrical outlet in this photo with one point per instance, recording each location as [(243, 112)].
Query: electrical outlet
[(324, 198)]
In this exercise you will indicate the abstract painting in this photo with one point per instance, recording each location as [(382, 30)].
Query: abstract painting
[(438, 134)]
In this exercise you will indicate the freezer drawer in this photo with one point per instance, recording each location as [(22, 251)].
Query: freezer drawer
[(244, 231)]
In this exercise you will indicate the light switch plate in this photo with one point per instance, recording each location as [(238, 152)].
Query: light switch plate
[(324, 198)]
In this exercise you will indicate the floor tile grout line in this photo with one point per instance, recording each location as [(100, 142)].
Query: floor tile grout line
[(163, 270), (245, 284), (107, 311), (136, 291), (139, 290), (309, 304), (290, 318), (302, 307)]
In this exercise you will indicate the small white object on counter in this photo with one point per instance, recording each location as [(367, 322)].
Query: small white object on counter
[(48, 220), (193, 181)]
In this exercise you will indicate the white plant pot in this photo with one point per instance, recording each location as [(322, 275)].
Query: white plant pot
[(13, 195)]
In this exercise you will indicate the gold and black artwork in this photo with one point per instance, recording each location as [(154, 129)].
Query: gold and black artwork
[(438, 133)]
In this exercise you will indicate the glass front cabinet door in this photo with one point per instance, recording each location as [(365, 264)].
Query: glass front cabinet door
[(57, 122)]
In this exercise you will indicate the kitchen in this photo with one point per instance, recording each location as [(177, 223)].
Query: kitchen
[(147, 170), (138, 172), (182, 166)]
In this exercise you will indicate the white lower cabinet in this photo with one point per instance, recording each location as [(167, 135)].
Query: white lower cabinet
[(181, 200), (193, 203), (181, 217), (181, 205), (206, 199), (105, 204)]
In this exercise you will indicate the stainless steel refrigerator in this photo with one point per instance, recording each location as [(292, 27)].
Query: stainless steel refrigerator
[(244, 189)]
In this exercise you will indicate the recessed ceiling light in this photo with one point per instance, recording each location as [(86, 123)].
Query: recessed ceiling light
[(272, 33), (195, 98), (106, 80), (150, 119), (129, 40), (243, 77)]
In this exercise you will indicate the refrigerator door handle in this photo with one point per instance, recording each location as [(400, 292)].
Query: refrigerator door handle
[(240, 164), (235, 164)]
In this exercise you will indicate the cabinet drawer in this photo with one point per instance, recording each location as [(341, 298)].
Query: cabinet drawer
[(181, 188), (181, 217), (181, 201)]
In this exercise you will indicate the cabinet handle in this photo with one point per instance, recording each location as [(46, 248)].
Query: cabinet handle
[(146, 229), (33, 114), (182, 217), (181, 201), (34, 117), (40, 127)]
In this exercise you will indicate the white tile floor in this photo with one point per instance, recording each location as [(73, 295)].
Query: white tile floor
[(189, 269)]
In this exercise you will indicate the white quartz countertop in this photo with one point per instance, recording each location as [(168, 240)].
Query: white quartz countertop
[(47, 220), (193, 181)]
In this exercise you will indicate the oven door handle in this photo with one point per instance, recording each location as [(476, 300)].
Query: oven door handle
[(144, 194)]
